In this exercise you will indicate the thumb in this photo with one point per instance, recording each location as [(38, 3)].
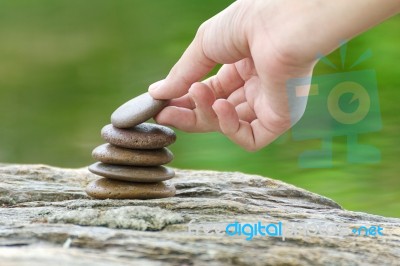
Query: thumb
[(190, 68)]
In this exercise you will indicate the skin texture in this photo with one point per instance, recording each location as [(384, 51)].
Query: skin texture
[(261, 44)]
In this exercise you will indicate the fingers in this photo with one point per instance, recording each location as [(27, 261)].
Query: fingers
[(191, 67), (178, 117), (251, 136), (185, 101), (245, 112), (237, 97), (216, 41), (225, 82), (239, 123), (227, 116), (201, 119), (203, 97)]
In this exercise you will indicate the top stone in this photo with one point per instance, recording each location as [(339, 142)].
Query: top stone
[(137, 111)]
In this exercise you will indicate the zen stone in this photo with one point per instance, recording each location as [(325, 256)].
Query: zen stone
[(143, 136), (137, 110), (132, 173), (105, 188), (111, 154)]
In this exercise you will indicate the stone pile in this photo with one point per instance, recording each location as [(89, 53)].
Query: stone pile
[(131, 160)]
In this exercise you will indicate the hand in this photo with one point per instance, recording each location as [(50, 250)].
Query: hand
[(262, 45)]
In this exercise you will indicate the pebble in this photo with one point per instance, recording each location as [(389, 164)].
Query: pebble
[(137, 110), (130, 163), (111, 154), (143, 136), (105, 188), (132, 173)]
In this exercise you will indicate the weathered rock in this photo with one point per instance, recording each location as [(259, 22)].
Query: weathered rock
[(105, 188), (143, 136), (132, 173), (137, 110), (111, 154), (47, 219)]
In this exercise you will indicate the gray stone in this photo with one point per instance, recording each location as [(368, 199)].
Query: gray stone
[(111, 154), (47, 219), (137, 111), (143, 136), (132, 173)]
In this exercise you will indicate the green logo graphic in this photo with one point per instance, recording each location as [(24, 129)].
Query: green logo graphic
[(358, 92), (339, 104)]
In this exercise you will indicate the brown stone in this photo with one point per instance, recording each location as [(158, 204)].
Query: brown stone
[(111, 154), (132, 173), (105, 188), (137, 111), (143, 136)]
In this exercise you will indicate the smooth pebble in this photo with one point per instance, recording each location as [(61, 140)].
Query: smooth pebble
[(111, 154), (132, 173), (105, 188), (143, 136), (137, 111)]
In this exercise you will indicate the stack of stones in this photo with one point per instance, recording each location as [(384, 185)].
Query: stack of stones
[(131, 162)]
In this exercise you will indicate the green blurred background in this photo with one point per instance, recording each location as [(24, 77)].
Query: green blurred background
[(66, 65)]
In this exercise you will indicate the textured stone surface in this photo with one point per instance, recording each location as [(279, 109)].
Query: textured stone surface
[(111, 154), (105, 188), (143, 136), (136, 111), (46, 218), (132, 173)]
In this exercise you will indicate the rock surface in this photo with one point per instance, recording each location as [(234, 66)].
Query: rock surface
[(143, 136), (46, 218), (137, 111), (111, 154)]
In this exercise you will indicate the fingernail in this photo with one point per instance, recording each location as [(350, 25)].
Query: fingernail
[(155, 86)]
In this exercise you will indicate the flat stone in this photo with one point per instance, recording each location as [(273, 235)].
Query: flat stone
[(137, 111), (132, 173), (111, 154), (105, 188), (143, 136)]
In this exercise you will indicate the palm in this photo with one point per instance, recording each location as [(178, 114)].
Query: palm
[(257, 100)]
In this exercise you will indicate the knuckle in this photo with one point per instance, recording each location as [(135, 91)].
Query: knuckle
[(202, 28), (217, 88)]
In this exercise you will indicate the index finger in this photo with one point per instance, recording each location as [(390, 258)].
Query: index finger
[(190, 68)]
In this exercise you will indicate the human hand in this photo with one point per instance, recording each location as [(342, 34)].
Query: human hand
[(262, 45)]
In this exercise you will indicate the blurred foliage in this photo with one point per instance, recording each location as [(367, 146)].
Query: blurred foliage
[(66, 65)]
